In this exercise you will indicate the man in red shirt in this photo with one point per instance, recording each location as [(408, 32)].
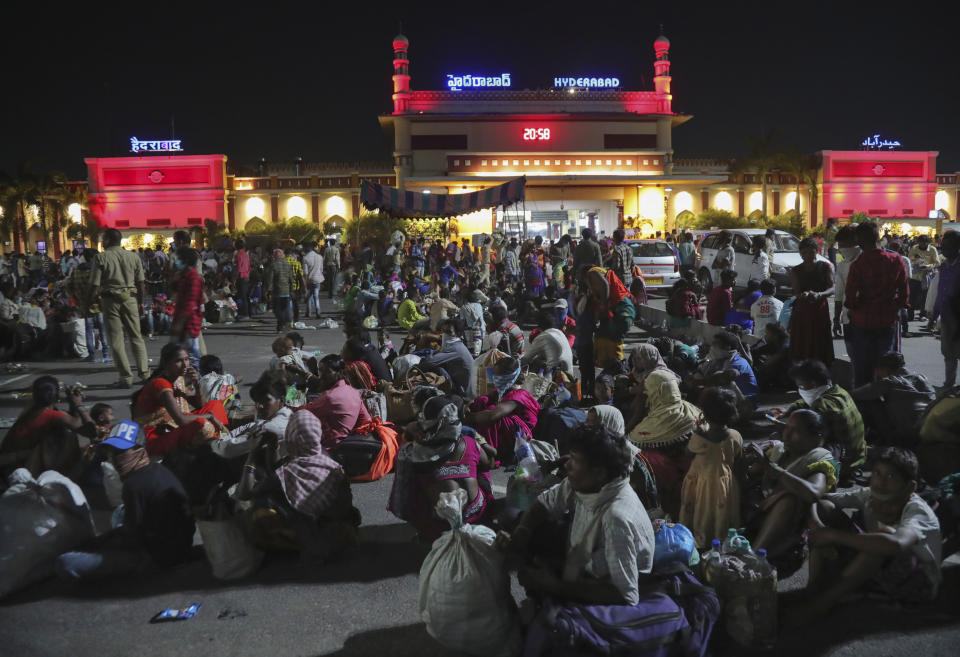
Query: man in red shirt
[(243, 280), (720, 301), (188, 312), (876, 290)]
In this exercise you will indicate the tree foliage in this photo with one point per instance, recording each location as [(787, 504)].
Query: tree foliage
[(713, 218)]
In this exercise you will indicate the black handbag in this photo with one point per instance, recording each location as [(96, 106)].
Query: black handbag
[(357, 453)]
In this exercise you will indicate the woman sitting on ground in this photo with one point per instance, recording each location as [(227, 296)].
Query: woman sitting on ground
[(339, 406), (795, 474), (441, 459), (268, 395), (509, 411), (663, 434), (44, 438), (641, 473), (164, 406), (610, 541), (301, 500)]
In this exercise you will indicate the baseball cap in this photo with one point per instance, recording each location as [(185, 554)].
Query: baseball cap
[(123, 435)]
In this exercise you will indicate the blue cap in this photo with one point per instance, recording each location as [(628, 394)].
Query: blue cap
[(123, 435)]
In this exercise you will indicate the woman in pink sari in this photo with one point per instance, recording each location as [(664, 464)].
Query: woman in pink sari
[(500, 416)]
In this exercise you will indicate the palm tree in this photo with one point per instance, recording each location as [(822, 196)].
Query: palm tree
[(50, 191), (764, 157), (18, 194), (803, 167)]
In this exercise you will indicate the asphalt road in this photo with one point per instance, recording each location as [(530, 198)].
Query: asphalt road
[(365, 604)]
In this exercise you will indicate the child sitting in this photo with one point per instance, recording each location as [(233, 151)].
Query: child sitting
[(766, 309), (683, 306), (215, 385), (710, 498), (290, 359), (102, 416), (897, 550)]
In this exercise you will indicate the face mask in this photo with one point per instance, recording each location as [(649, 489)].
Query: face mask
[(180, 265), (813, 394), (721, 354), (503, 382), (850, 252)]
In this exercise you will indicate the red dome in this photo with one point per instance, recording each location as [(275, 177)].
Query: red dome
[(400, 42)]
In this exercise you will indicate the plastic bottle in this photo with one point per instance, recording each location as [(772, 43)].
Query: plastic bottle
[(527, 465), (764, 567), (712, 561), (727, 547)]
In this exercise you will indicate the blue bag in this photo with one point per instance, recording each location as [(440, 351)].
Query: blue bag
[(673, 544), (558, 424)]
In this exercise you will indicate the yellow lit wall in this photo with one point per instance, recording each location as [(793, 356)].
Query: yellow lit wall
[(336, 205), (683, 202), (74, 212), (475, 222), (755, 202), (254, 207), (296, 207), (942, 200), (723, 201), (789, 202)]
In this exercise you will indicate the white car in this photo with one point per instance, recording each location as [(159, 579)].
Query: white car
[(786, 256), (657, 261)]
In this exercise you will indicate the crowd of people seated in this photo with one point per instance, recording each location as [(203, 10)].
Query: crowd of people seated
[(660, 428)]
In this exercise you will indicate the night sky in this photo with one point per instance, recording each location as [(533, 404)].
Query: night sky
[(278, 81)]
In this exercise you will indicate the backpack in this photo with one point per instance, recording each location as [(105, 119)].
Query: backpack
[(675, 617)]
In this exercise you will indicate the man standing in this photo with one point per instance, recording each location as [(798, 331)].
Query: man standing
[(849, 251), (587, 253), (830, 241), (118, 279), (876, 290), (188, 311), (416, 256), (621, 258), (331, 260), (923, 257), (281, 285), (485, 261), (243, 280), (313, 271), (298, 282), (948, 306), (78, 286)]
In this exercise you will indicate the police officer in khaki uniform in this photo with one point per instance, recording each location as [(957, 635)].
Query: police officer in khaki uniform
[(118, 278)]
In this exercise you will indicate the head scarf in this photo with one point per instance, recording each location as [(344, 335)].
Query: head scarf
[(440, 435), (617, 291), (611, 418), (645, 354), (359, 375), (503, 382), (670, 419), (310, 477)]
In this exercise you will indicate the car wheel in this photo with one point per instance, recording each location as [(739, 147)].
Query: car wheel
[(705, 280)]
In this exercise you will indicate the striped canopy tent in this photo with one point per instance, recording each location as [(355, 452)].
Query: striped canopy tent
[(401, 203)]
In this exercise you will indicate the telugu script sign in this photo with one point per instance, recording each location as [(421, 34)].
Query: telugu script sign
[(461, 82), (160, 146)]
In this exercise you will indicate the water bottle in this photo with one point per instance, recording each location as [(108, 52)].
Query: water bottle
[(712, 562), (527, 466), (764, 567), (728, 542)]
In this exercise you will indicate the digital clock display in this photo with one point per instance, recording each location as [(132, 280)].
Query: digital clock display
[(536, 134)]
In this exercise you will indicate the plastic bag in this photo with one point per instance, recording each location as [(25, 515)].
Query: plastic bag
[(230, 553), (40, 519), (481, 371), (673, 544), (465, 596)]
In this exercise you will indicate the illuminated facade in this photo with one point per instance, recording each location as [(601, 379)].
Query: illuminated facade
[(592, 155)]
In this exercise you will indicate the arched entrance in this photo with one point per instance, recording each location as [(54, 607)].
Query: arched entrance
[(684, 218)]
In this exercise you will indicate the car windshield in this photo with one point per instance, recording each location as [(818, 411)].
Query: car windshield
[(651, 250), (786, 244)]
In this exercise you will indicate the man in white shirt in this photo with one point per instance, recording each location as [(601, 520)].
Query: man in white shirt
[(331, 259), (849, 251), (893, 544), (923, 258), (726, 258), (550, 348), (766, 309), (313, 273)]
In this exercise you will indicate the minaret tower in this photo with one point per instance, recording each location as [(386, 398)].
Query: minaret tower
[(401, 74), (661, 73)]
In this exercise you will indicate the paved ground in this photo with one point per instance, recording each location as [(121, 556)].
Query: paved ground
[(367, 603)]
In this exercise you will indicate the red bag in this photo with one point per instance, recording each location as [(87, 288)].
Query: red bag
[(383, 464)]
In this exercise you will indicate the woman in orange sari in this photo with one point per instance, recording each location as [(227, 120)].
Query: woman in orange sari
[(164, 406)]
